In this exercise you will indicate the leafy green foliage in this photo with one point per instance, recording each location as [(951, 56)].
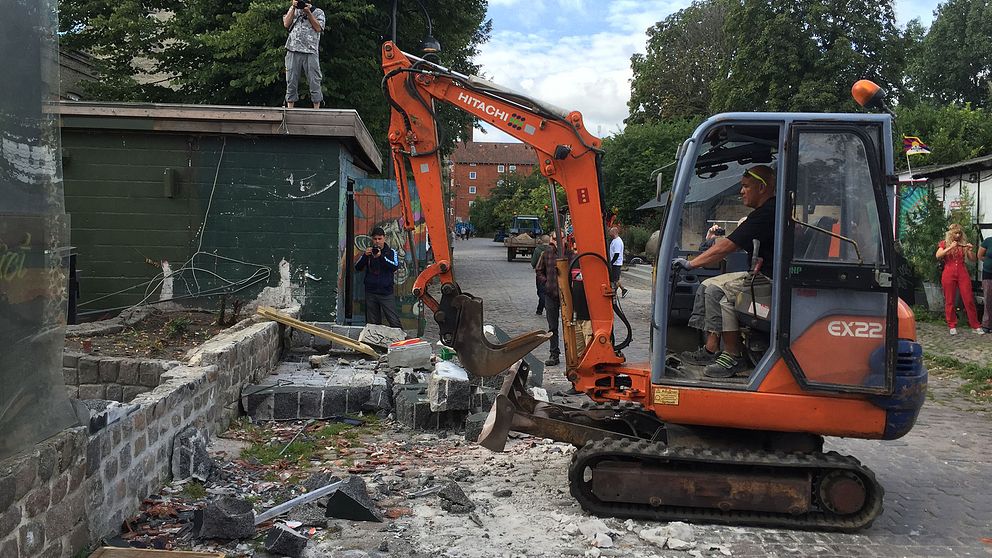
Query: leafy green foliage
[(176, 327), (804, 55), (953, 63), (672, 78), (631, 156), (635, 238), (195, 490), (927, 226), (514, 194), (954, 133), (230, 52)]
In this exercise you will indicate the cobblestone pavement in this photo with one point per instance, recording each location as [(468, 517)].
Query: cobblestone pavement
[(938, 478)]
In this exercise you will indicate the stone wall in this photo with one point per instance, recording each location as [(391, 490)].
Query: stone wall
[(111, 378), (43, 497), (73, 490)]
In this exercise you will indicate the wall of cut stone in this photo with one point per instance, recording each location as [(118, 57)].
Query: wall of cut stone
[(111, 378), (43, 499), (83, 487)]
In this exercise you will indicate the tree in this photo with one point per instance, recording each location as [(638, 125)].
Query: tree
[(919, 241), (804, 55), (953, 133), (631, 156), (231, 51), (672, 79), (514, 194), (954, 62)]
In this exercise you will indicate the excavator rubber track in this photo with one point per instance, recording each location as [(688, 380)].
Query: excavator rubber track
[(711, 468)]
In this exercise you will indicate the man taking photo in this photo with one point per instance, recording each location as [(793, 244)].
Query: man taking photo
[(379, 262), (305, 24)]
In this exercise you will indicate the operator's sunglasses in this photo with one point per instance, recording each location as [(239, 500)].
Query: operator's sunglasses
[(755, 176)]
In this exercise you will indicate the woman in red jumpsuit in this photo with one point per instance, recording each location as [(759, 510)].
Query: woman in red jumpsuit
[(953, 250)]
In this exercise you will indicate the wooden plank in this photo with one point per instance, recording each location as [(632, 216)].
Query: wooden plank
[(110, 552), (316, 331)]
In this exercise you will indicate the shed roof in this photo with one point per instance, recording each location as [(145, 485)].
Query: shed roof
[(494, 153), (344, 125), (970, 165)]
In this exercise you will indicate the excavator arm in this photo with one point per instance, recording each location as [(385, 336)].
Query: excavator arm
[(567, 154)]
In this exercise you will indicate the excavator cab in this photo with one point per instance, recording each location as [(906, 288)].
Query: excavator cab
[(830, 311)]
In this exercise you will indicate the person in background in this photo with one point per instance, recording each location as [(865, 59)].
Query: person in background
[(547, 273), (953, 250), (616, 261), (305, 24), (379, 262), (535, 259), (985, 255)]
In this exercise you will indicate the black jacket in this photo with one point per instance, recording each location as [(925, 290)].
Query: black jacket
[(379, 270)]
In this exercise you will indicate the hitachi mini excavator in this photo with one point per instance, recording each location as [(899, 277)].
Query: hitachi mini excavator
[(833, 348)]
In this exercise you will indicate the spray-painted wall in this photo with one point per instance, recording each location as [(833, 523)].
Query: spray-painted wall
[(224, 210), (376, 204)]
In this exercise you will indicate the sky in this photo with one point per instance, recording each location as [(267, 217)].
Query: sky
[(575, 54)]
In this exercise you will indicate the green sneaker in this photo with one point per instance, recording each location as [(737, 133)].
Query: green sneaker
[(725, 366)]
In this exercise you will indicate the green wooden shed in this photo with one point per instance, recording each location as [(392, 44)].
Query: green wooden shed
[(189, 201)]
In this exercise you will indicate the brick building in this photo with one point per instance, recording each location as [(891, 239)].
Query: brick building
[(476, 168)]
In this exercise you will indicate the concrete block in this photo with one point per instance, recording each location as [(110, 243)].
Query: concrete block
[(93, 391), (473, 426), (445, 394), (413, 355), (483, 398), (149, 373), (89, 370), (70, 376), (283, 541), (109, 368), (128, 372), (380, 335), (115, 392), (190, 457), (351, 501), (70, 360), (130, 392), (225, 518)]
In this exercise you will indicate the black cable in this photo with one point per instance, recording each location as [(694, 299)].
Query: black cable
[(616, 305)]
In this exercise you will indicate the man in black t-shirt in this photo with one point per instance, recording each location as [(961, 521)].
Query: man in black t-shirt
[(713, 309)]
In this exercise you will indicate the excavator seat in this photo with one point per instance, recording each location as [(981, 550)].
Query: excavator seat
[(754, 306)]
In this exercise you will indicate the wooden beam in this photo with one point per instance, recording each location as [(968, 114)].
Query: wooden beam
[(271, 314)]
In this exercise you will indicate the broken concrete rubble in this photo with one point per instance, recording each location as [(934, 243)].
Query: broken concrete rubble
[(352, 501), (447, 394), (381, 336), (190, 457), (454, 500), (285, 541), (225, 518), (410, 355)]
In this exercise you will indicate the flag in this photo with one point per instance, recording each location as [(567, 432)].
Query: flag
[(913, 145)]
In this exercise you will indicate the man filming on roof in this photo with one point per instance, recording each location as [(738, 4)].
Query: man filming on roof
[(305, 24), (713, 309)]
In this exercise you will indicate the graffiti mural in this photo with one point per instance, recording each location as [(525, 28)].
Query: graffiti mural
[(376, 204), (909, 198)]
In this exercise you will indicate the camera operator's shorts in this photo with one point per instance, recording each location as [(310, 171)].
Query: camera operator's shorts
[(296, 63)]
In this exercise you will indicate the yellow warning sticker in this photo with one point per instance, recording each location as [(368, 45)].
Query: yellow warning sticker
[(666, 396)]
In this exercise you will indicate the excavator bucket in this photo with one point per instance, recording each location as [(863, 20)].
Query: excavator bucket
[(479, 355), (515, 409)]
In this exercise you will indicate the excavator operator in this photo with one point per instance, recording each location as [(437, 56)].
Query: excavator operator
[(713, 309)]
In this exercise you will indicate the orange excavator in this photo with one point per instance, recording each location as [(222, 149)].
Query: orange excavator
[(831, 347)]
